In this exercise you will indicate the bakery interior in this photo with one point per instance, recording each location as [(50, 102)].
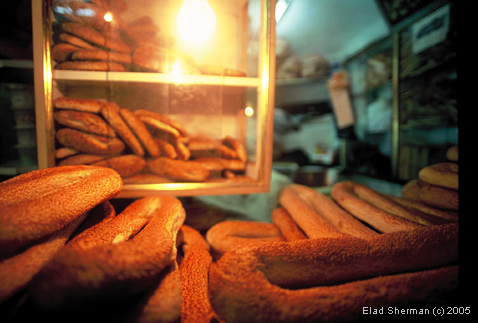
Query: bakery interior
[(340, 202)]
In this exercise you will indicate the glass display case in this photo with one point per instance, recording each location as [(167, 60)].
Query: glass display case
[(136, 86)]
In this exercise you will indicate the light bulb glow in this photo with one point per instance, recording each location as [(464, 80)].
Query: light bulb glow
[(176, 68), (108, 17), (196, 21), (249, 111)]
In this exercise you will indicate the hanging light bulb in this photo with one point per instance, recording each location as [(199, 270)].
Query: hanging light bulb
[(108, 17), (249, 111), (196, 20)]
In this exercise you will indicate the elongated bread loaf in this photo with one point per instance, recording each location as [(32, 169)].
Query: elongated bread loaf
[(332, 279), (367, 205), (123, 257), (84, 121), (89, 143), (38, 203)]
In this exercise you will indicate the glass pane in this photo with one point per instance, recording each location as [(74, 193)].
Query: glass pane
[(143, 69)]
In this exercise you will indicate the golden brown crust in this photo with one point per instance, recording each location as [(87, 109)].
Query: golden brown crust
[(238, 146), (81, 159), (99, 213), (85, 105), (398, 251), (96, 37), (383, 202), (194, 267), (433, 212), (213, 164), (312, 223), (84, 121), (159, 126), (281, 278), (182, 151), (62, 52), (18, 270), (366, 205), (141, 131), (201, 143), (227, 235), (318, 207), (178, 169), (286, 224), (75, 41), (162, 303), (442, 174), (113, 229), (220, 164), (125, 165), (64, 152), (89, 143), (418, 190), (167, 149), (112, 115), (91, 66), (164, 119), (228, 152), (96, 17), (35, 204), (100, 55), (257, 300), (82, 278)]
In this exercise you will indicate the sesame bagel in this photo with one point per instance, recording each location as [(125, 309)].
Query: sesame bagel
[(37, 203)]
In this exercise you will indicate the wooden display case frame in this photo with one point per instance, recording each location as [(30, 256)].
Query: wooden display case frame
[(45, 76)]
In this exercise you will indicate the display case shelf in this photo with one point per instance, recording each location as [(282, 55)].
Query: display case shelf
[(155, 78)]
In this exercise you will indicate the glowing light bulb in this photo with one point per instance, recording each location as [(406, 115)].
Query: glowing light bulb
[(108, 17), (196, 20), (249, 111)]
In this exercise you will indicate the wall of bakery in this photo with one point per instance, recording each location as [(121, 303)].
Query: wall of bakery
[(397, 130)]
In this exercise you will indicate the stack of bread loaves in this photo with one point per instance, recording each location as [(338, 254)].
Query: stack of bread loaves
[(328, 258), (437, 185), (92, 36), (67, 256), (142, 146), (87, 40)]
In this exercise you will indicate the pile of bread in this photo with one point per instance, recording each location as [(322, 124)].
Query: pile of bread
[(325, 259), (66, 254), (92, 36), (289, 65), (142, 146), (437, 185)]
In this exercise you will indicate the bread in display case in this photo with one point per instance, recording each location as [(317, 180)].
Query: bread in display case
[(119, 85)]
